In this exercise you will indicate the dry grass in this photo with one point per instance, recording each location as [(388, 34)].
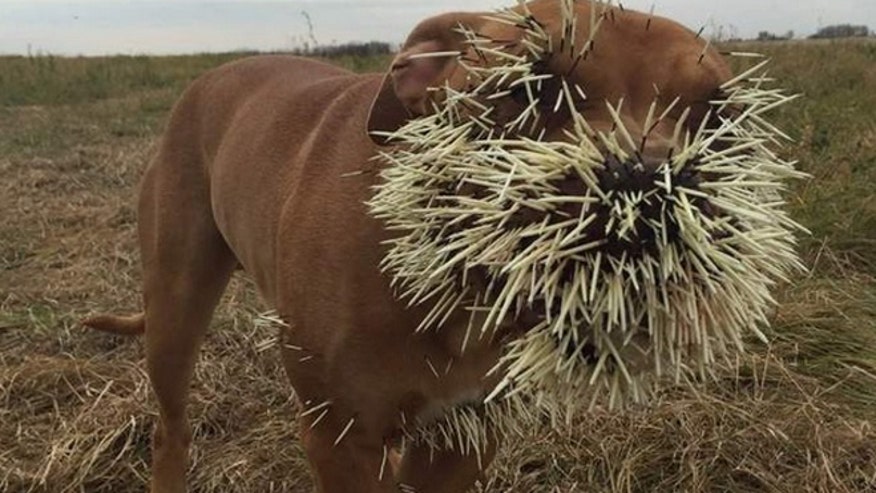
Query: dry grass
[(76, 412)]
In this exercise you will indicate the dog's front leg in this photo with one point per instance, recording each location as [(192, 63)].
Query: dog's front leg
[(345, 459), (443, 471)]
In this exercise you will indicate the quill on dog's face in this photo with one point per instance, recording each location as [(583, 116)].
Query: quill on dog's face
[(596, 176)]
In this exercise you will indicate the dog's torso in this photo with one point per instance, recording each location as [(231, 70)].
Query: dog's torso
[(277, 132), (289, 166)]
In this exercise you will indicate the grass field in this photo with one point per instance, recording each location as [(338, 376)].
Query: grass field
[(75, 409)]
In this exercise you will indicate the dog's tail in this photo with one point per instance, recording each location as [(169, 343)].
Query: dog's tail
[(133, 325)]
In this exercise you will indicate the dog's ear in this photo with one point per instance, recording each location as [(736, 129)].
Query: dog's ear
[(404, 93)]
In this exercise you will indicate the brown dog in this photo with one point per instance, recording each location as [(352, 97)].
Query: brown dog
[(255, 170)]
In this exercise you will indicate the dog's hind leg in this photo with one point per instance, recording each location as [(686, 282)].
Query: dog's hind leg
[(186, 266)]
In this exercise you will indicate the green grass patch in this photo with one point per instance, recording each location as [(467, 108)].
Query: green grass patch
[(833, 125)]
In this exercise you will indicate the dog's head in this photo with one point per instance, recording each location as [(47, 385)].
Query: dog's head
[(612, 54), (597, 172)]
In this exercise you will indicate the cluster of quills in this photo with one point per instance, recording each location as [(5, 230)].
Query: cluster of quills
[(634, 270)]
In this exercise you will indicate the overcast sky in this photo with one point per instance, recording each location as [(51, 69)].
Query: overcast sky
[(93, 27)]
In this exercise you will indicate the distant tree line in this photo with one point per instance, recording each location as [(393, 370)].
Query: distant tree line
[(829, 32), (370, 48), (768, 36), (842, 31)]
